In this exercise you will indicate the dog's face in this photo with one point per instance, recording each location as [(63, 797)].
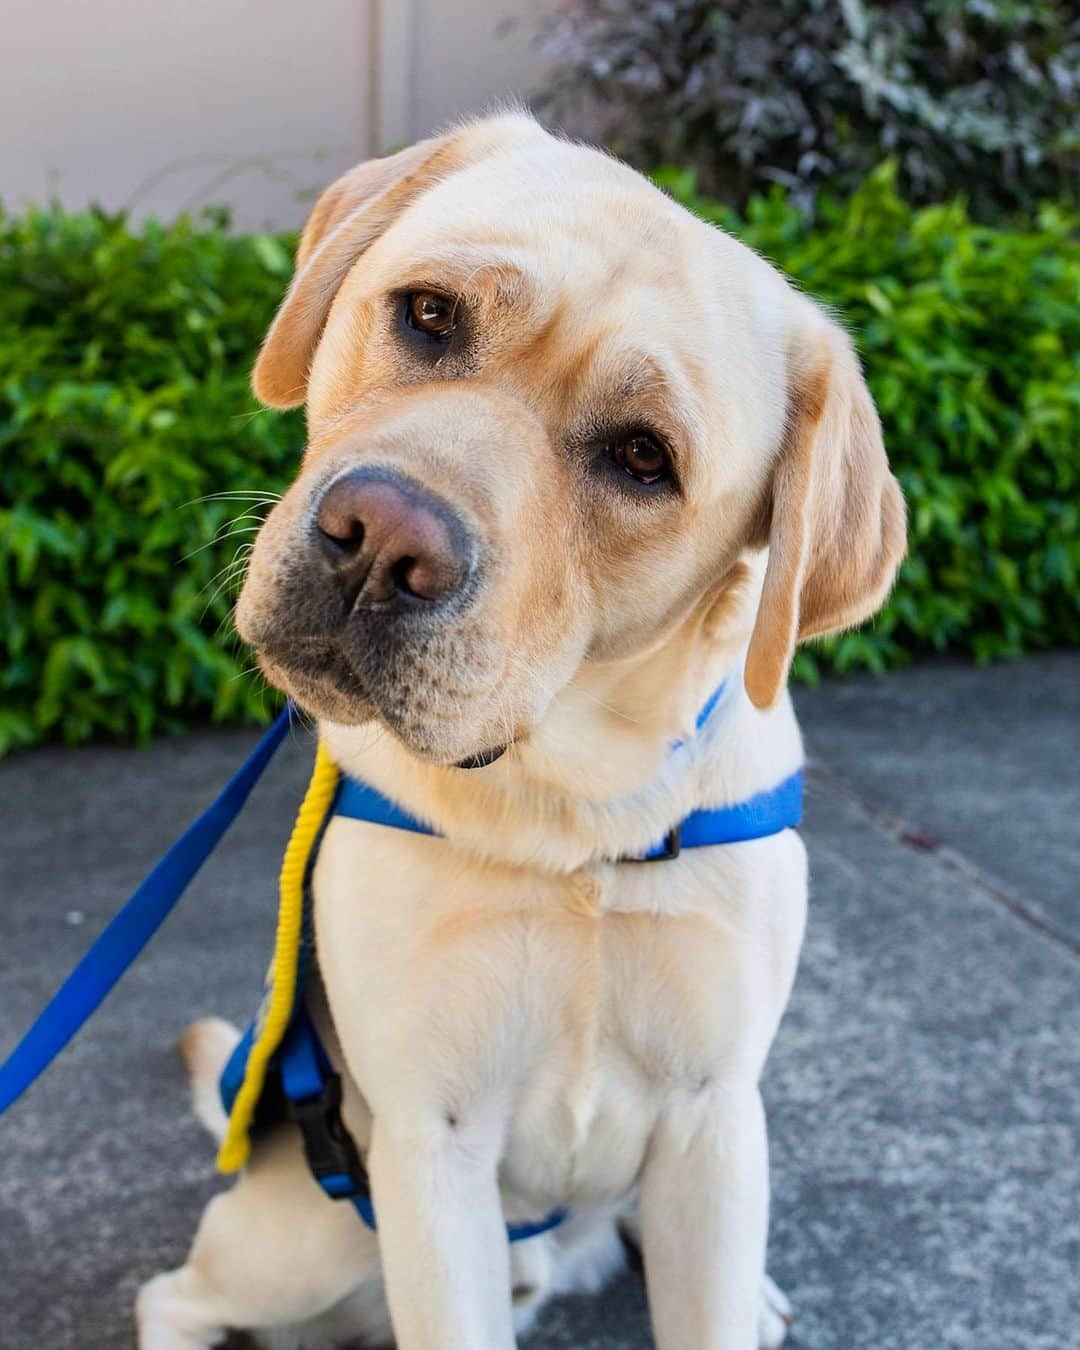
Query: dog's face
[(548, 412)]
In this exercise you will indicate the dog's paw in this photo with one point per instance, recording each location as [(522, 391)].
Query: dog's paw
[(774, 1316)]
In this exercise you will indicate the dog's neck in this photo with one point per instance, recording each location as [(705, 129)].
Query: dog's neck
[(598, 777)]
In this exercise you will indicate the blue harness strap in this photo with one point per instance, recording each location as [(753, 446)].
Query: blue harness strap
[(360, 801), (764, 814), (133, 926), (313, 1092)]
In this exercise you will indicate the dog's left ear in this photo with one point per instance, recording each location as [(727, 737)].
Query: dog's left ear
[(836, 528), (347, 218)]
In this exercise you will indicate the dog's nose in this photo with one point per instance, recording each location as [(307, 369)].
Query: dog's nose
[(390, 541)]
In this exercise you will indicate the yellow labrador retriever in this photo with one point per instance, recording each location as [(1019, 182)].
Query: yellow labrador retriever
[(574, 459)]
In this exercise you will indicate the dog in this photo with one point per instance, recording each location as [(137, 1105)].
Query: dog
[(575, 459)]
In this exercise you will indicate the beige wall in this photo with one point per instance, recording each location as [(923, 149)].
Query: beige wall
[(464, 54), (162, 107)]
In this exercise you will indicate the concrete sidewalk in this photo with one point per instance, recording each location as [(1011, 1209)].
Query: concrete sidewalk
[(923, 1094)]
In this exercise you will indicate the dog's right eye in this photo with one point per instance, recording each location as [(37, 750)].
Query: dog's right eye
[(432, 314), (642, 457)]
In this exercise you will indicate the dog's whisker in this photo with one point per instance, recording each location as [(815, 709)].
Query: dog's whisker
[(227, 585), (227, 628), (236, 563), (607, 707), (225, 533), (302, 721), (234, 574), (251, 414), (232, 496), (240, 674)]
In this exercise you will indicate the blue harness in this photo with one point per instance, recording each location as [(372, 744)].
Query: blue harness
[(302, 1084)]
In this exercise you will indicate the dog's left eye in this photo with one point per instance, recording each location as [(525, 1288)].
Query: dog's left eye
[(431, 313), (642, 457)]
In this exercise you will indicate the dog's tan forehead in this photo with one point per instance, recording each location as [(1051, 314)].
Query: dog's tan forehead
[(565, 211)]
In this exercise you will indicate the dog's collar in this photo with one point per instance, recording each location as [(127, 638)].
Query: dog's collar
[(765, 813)]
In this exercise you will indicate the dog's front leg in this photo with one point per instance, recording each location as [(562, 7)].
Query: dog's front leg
[(704, 1214), (441, 1235)]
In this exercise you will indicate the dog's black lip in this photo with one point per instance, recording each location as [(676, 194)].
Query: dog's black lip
[(482, 758), (309, 656), (315, 658)]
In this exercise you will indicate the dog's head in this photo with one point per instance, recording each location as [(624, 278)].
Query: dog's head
[(549, 412)]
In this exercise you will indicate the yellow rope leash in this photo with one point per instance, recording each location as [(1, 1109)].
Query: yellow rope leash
[(278, 1007)]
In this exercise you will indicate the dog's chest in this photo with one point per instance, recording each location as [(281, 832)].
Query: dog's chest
[(574, 1005)]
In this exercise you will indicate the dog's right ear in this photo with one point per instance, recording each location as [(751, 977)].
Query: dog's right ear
[(348, 217), (837, 532)]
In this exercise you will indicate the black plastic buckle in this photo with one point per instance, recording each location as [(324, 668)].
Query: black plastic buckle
[(672, 847), (329, 1148)]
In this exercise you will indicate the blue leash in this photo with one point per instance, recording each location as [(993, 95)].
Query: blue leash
[(133, 926)]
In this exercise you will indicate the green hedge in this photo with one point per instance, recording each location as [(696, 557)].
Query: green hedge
[(123, 400), (123, 403)]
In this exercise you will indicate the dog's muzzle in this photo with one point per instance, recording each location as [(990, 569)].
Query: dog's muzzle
[(369, 602)]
